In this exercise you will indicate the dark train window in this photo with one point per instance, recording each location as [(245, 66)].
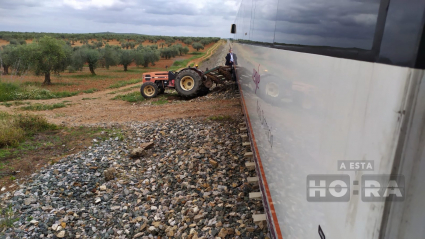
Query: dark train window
[(263, 21), (402, 34), (331, 23)]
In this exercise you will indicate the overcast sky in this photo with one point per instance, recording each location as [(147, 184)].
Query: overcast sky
[(152, 17)]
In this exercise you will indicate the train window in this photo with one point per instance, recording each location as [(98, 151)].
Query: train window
[(403, 29), (263, 23), (331, 23)]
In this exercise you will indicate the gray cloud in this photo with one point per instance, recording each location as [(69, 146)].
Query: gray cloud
[(159, 17), (347, 23)]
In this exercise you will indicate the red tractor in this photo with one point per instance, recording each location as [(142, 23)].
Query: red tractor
[(188, 82)]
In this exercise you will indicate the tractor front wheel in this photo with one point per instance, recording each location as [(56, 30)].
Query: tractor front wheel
[(149, 90)]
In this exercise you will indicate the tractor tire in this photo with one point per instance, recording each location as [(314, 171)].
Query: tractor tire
[(149, 90), (188, 83)]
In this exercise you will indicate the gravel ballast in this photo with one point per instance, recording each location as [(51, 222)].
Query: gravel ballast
[(190, 183)]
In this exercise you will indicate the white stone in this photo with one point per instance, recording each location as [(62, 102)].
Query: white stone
[(153, 208), (102, 188), (195, 209), (55, 227), (61, 234), (152, 228)]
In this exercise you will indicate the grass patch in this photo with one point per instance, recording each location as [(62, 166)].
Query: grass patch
[(124, 90), (7, 218), (124, 83), (89, 76), (16, 103), (160, 101), (13, 91), (92, 90), (133, 70), (220, 118), (41, 107), (181, 64), (130, 97), (7, 104), (15, 128), (40, 84)]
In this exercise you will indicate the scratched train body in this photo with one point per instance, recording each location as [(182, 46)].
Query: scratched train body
[(334, 98)]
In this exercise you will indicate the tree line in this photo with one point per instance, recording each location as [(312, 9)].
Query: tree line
[(127, 41), (48, 55)]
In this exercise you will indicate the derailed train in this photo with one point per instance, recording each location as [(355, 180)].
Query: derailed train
[(334, 98)]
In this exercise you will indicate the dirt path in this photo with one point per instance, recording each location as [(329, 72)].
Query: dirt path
[(101, 109), (98, 107), (209, 53)]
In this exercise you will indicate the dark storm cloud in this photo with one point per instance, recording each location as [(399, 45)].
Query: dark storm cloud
[(349, 23)]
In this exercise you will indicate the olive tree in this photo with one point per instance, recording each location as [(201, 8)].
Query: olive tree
[(188, 41), (109, 56), (49, 55), (92, 57), (126, 58), (139, 58), (197, 46), (6, 57), (149, 56), (85, 55)]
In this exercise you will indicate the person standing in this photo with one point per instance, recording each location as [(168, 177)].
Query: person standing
[(231, 58)]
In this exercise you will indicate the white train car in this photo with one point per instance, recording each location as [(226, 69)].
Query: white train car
[(334, 98)]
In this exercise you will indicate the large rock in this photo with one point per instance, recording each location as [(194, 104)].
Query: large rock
[(222, 233), (109, 174), (140, 152)]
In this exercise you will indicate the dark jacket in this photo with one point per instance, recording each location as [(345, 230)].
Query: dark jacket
[(235, 59)]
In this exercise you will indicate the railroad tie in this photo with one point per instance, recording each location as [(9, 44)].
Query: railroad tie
[(252, 180), (248, 155), (250, 165), (246, 144), (259, 217), (255, 195)]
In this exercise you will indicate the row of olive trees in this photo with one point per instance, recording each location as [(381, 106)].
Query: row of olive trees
[(49, 55), (173, 51), (104, 37), (45, 56)]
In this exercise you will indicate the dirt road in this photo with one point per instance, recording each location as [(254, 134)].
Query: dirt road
[(99, 108)]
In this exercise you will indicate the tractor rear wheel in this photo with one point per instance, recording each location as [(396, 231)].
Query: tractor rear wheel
[(188, 83), (149, 90)]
